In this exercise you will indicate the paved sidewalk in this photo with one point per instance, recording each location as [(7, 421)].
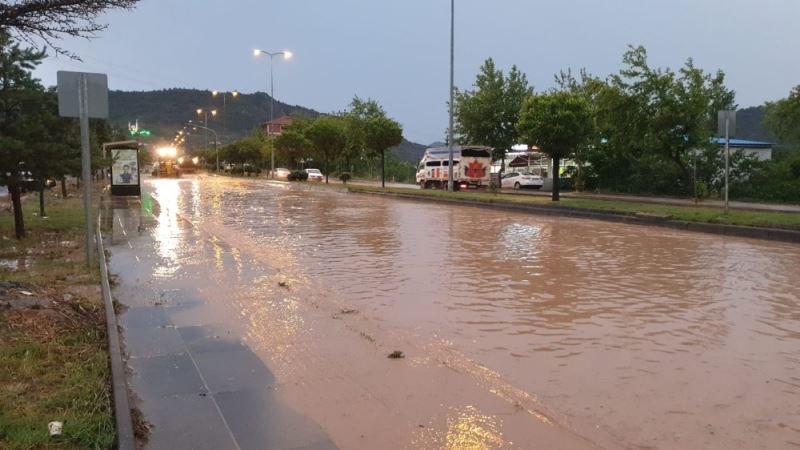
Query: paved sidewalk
[(196, 381)]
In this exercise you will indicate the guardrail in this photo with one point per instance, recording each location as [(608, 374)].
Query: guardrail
[(122, 409)]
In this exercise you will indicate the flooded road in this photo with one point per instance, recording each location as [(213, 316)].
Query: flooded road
[(518, 331)]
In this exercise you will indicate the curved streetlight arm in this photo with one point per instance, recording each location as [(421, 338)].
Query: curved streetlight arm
[(285, 54), (192, 124), (216, 139)]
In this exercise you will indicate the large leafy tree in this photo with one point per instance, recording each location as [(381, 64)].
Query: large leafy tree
[(292, 144), (54, 145), (328, 137), (558, 123), (20, 99), (783, 117), (381, 133), (49, 20), (655, 122), (488, 113)]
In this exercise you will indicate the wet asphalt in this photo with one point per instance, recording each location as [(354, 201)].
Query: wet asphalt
[(195, 382)]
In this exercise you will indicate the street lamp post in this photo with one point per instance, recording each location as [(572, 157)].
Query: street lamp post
[(450, 126), (234, 94), (286, 55), (216, 149), (203, 112)]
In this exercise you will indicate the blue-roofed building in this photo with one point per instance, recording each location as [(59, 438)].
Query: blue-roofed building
[(761, 150)]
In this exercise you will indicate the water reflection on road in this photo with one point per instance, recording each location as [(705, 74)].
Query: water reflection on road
[(657, 338)]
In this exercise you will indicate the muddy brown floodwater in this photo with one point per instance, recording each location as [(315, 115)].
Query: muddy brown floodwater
[(518, 331)]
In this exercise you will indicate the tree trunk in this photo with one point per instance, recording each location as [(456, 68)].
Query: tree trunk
[(383, 170), (16, 200), (556, 180), (41, 200), (64, 187), (327, 170)]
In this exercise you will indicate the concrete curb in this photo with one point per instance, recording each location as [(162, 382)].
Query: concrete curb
[(122, 409), (772, 234)]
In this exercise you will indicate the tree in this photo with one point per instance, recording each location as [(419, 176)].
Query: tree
[(292, 144), (328, 137), (55, 147), (558, 123), (381, 133), (48, 20), (19, 106), (783, 117), (488, 114), (655, 122)]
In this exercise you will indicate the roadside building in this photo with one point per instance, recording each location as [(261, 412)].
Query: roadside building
[(276, 126), (761, 150)]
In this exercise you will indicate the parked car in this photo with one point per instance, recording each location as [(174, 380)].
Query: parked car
[(521, 180), (282, 173), (315, 175)]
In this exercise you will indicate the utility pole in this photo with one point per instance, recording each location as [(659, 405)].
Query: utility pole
[(450, 127)]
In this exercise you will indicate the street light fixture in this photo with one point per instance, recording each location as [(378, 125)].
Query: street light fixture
[(233, 94), (204, 112), (216, 139), (286, 55)]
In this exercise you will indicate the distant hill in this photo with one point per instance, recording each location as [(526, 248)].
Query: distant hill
[(750, 126), (165, 111)]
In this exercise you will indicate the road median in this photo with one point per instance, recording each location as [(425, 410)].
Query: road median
[(778, 226)]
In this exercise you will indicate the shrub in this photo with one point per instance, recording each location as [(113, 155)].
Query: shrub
[(298, 175), (345, 177)]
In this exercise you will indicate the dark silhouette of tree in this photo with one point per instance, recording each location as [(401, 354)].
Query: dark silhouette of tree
[(50, 20)]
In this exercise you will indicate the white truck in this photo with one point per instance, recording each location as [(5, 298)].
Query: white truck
[(471, 167)]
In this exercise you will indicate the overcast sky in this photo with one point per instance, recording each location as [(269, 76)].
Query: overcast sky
[(397, 52)]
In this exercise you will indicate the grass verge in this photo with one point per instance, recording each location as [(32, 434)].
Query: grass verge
[(52, 334), (765, 219)]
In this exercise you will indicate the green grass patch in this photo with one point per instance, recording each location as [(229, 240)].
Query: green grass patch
[(706, 214), (53, 357)]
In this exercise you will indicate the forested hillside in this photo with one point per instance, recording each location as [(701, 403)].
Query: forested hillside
[(165, 111)]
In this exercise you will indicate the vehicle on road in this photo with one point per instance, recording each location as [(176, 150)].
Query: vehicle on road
[(315, 175), (471, 167), (189, 165), (281, 173), (521, 180)]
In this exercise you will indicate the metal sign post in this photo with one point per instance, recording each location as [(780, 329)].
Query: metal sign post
[(84, 95), (726, 124), (86, 163)]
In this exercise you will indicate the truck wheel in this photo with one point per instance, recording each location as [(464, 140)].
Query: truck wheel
[(516, 185)]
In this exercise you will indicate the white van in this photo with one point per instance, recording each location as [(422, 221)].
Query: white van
[(471, 167)]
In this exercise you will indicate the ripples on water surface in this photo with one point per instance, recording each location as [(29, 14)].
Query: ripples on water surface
[(647, 332)]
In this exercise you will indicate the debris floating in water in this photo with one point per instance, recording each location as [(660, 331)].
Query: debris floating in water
[(397, 354)]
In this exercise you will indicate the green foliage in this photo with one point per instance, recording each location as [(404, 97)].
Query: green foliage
[(252, 150), (298, 175), (558, 123), (292, 145), (488, 114), (783, 117), (652, 122), (328, 138), (777, 180), (380, 133)]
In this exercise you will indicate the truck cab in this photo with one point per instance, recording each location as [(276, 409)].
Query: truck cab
[(471, 167)]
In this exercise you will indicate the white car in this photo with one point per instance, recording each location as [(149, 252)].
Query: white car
[(521, 180), (315, 175), (282, 173)]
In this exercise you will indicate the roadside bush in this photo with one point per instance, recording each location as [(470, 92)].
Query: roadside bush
[(298, 175), (237, 170), (345, 177)]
